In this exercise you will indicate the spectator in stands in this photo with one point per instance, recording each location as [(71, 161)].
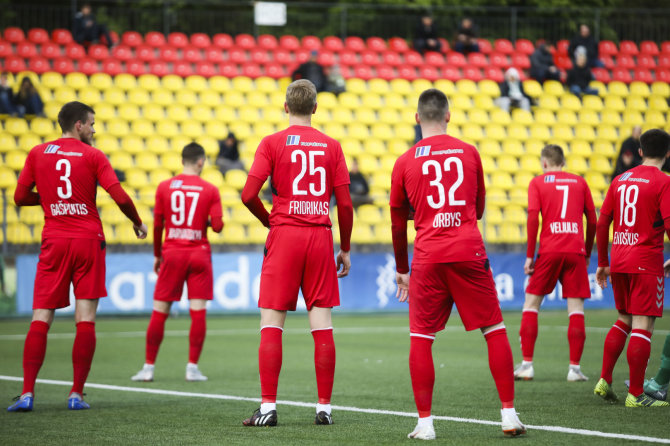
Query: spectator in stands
[(425, 35), (312, 71), (229, 156), (586, 40), (466, 37), (580, 75), (335, 83), (358, 186), (512, 94), (542, 65), (88, 30), (7, 106), (28, 100), (629, 155)]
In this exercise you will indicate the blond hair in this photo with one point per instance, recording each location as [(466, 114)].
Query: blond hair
[(553, 154), (301, 97)]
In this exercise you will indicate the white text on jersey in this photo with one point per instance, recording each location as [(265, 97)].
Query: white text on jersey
[(625, 238), (308, 207), (447, 220), (68, 209), (564, 227), (184, 234)]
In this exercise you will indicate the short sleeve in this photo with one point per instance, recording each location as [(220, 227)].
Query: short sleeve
[(262, 165), (398, 196), (215, 209), (104, 171), (588, 198), (341, 169), (534, 203), (26, 177), (608, 204)]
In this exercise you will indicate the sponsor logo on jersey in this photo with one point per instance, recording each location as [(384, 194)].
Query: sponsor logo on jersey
[(422, 151), (550, 178), (176, 184), (293, 140), (625, 176), (51, 148)]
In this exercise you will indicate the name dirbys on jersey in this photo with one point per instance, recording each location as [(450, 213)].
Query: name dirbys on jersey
[(308, 207), (625, 238), (564, 227), (447, 220), (184, 234), (68, 209)]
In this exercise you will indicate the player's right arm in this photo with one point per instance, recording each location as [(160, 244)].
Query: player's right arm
[(399, 216), (259, 172), (216, 212), (602, 238), (159, 224), (590, 211), (534, 206), (24, 194)]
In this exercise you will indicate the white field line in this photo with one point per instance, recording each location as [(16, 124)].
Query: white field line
[(559, 429), (251, 331)]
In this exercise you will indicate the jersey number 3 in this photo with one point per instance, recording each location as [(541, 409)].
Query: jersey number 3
[(66, 168), (437, 182)]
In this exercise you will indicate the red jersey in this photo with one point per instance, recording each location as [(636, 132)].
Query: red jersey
[(185, 203), (638, 201), (563, 199), (442, 179), (304, 166), (66, 173)]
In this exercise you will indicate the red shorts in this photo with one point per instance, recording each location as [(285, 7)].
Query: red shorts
[(299, 257), (435, 287), (570, 269), (639, 294), (63, 261), (191, 265)]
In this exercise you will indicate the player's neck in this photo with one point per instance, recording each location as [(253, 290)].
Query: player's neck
[(653, 162), (188, 170), (71, 135), (553, 169), (428, 130), (300, 120)]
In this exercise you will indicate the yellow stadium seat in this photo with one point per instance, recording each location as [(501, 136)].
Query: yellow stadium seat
[(52, 80), (553, 88), (510, 233), (490, 233), (65, 94), (461, 102), (657, 102), (136, 178), (592, 102), (41, 126), (124, 81), (107, 143), (639, 89), (545, 117), (219, 84), (479, 116), (349, 100), (490, 147), (117, 127), (7, 180), (521, 181), (257, 233), (605, 148), (472, 133), (514, 214), (549, 102), (213, 176), (365, 115), (612, 117), (191, 128), (242, 130), (29, 140), (19, 233), (132, 143), (101, 81), (233, 233), (356, 86), (571, 102), (375, 146), (576, 164), (149, 82), (381, 180), (372, 100), (517, 131), (617, 88), (500, 117), (632, 117), (596, 181), (660, 89), (589, 117), (382, 132), (493, 215), (153, 112), (585, 132), (606, 132), (186, 97), (234, 98), (636, 103), (141, 127), (561, 133), (243, 84), (401, 86), (466, 87), (236, 179), (501, 180), (382, 233), (495, 132), (368, 214), (532, 88), (580, 148), (140, 96), (31, 214), (147, 161), (378, 86), (210, 98), (326, 101), (601, 164), (166, 128), (394, 101), (445, 86), (530, 163), (115, 96), (172, 160), (162, 96), (534, 147), (76, 80), (397, 147), (90, 96), (216, 130), (7, 142), (614, 102), (263, 128), (367, 164), (104, 112), (225, 114), (568, 117), (490, 88), (362, 234), (51, 109), (496, 196), (202, 113), (266, 84), (389, 116), (541, 132), (257, 98), (655, 118), (420, 85), (210, 144), (508, 163)]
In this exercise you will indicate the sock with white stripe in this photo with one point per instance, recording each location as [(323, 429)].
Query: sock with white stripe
[(638, 351), (614, 344), (422, 372), (267, 407)]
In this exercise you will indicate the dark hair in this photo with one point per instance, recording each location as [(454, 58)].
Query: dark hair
[(553, 154), (72, 112), (192, 153), (433, 105), (655, 143)]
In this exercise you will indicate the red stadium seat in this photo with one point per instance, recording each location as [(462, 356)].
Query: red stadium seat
[(625, 61), (75, 51), (607, 48), (112, 67), (26, 50), (49, 50), (646, 61), (472, 73), (222, 41), (562, 47), (498, 60), (39, 65), (182, 68), (477, 60), (38, 36), (347, 72), (391, 58), (275, 70), (61, 36), (63, 65), (154, 39), (494, 73), (399, 45), (326, 59), (430, 73), (455, 59), (665, 47), (503, 46), (355, 44), (177, 40), (205, 69), (524, 46), (664, 61), (289, 43), (282, 57), (237, 55), (168, 54), (622, 75), (370, 58), (245, 41), (607, 61), (628, 47), (5, 49), (649, 48), (131, 39), (451, 73), (643, 75), (484, 46), (311, 43), (445, 48), (376, 44), (136, 67), (663, 76), (121, 52), (385, 72), (229, 69), (267, 42), (363, 72), (87, 66), (98, 52), (520, 60), (348, 58), (333, 43), (602, 75), (434, 59), (302, 55), (413, 58), (251, 70), (200, 40), (214, 55), (159, 68), (145, 53), (407, 72), (563, 62), (14, 34), (191, 54), (260, 56), (114, 36)]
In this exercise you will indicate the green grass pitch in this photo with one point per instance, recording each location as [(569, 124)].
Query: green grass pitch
[(372, 372)]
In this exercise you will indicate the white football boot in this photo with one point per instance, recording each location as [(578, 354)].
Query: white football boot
[(575, 374), (424, 430), (511, 426), (146, 374), (193, 373), (524, 371)]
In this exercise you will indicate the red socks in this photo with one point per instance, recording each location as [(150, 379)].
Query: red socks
[(422, 372), (269, 362), (614, 344), (82, 354), (324, 363), (638, 351), (34, 349), (528, 333), (196, 336), (155, 333), (501, 364), (576, 337)]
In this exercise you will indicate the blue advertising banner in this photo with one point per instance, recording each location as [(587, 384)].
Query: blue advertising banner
[(370, 285)]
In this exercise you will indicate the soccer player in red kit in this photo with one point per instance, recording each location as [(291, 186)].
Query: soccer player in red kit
[(638, 202), (185, 206), (441, 179), (66, 173), (305, 168), (563, 199)]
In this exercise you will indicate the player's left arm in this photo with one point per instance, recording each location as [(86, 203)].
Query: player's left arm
[(591, 219), (24, 195), (602, 238), (345, 217), (216, 212), (481, 188), (399, 215)]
